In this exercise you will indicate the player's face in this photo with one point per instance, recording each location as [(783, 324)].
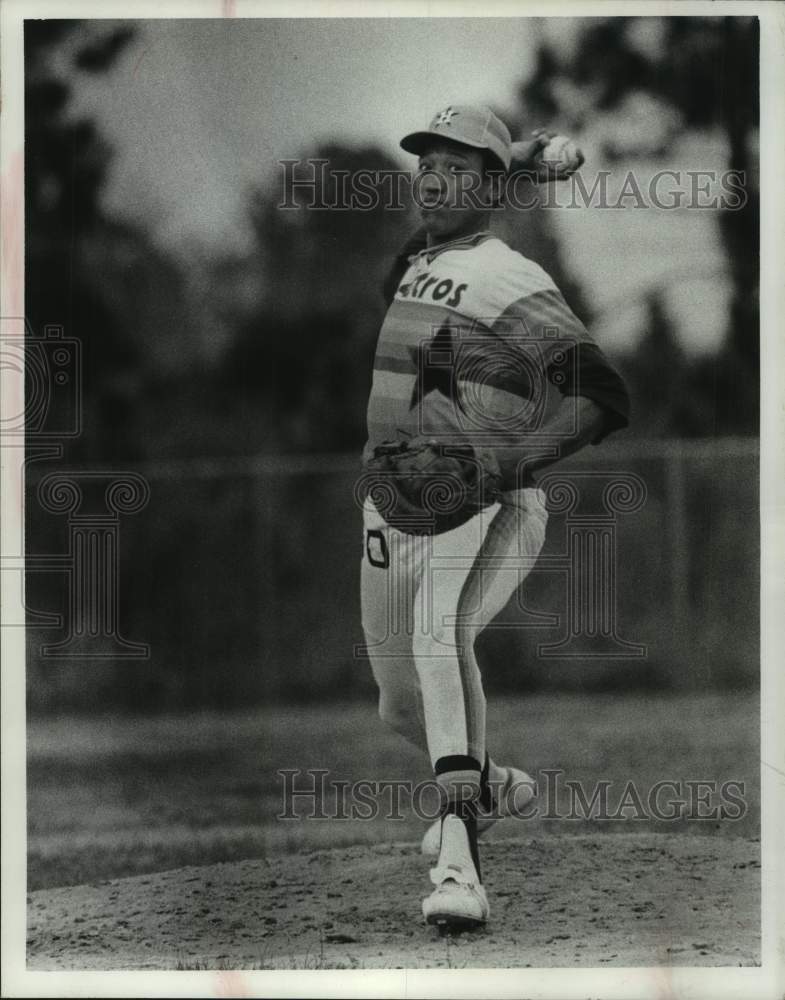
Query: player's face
[(452, 191)]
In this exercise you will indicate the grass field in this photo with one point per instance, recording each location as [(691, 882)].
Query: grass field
[(118, 796)]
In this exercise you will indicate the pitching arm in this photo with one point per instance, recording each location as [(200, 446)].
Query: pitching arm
[(579, 421)]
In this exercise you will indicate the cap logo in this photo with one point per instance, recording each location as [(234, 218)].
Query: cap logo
[(445, 117)]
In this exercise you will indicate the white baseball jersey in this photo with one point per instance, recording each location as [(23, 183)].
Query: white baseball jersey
[(488, 327)]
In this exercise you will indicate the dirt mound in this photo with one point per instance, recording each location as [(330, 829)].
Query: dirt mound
[(627, 900)]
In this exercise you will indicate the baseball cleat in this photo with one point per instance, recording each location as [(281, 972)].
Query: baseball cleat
[(513, 796), (458, 902), (458, 905)]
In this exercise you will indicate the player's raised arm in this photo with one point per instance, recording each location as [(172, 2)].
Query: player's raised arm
[(578, 422)]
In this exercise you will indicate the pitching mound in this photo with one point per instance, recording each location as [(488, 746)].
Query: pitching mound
[(629, 900)]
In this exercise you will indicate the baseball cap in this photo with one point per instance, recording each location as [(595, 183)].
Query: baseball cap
[(469, 125)]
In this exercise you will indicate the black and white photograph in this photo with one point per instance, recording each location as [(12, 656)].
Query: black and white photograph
[(392, 499)]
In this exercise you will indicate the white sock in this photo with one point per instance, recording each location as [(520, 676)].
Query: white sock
[(455, 858)]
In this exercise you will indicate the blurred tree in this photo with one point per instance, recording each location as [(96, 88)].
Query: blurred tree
[(658, 374), (665, 76), (103, 281), (107, 285), (302, 359)]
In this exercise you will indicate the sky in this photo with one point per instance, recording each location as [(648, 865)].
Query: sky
[(200, 111), (234, 96)]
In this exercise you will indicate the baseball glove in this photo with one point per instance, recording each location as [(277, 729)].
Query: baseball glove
[(427, 483)]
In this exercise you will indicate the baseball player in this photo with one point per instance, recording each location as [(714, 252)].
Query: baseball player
[(482, 377)]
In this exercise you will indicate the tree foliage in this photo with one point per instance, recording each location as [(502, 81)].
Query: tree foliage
[(103, 281), (302, 359), (699, 73)]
